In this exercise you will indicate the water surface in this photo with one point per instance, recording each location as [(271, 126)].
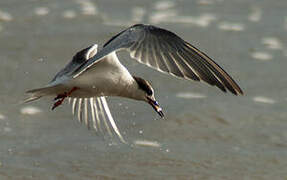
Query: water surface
[(206, 134)]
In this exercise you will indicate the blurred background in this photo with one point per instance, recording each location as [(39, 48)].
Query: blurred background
[(207, 134)]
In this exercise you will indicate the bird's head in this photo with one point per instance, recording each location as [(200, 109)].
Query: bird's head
[(85, 54), (147, 94)]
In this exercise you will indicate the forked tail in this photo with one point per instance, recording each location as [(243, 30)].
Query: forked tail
[(35, 94)]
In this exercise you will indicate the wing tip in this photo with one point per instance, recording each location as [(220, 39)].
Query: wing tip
[(237, 91), (240, 92)]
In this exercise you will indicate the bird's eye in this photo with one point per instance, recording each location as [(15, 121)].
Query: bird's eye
[(149, 92)]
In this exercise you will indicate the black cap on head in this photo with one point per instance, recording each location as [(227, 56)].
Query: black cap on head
[(85, 54), (144, 85)]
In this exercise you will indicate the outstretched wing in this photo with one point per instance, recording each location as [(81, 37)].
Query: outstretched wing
[(166, 52), (95, 113), (78, 59)]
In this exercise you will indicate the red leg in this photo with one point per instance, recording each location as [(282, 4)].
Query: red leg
[(61, 97)]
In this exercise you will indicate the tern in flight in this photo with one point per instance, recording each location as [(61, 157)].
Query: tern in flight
[(92, 75)]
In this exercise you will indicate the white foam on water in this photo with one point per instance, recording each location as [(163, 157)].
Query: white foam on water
[(162, 16), (2, 116), (202, 20), (30, 110), (69, 14), (7, 129), (272, 43), (230, 26), (5, 16), (40, 59), (41, 11), (118, 23), (164, 5), (208, 2), (147, 143), (262, 99), (262, 56), (138, 14), (88, 7), (255, 15), (190, 95), (205, 2)]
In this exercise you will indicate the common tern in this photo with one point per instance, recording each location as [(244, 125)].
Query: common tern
[(92, 75)]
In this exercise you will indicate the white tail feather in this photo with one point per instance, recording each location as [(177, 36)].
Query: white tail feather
[(100, 114), (35, 94)]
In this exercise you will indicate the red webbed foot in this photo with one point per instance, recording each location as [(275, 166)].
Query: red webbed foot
[(61, 97)]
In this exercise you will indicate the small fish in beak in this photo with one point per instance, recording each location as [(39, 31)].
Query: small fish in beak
[(155, 106)]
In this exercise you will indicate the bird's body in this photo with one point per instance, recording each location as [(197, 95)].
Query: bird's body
[(92, 75), (101, 80)]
